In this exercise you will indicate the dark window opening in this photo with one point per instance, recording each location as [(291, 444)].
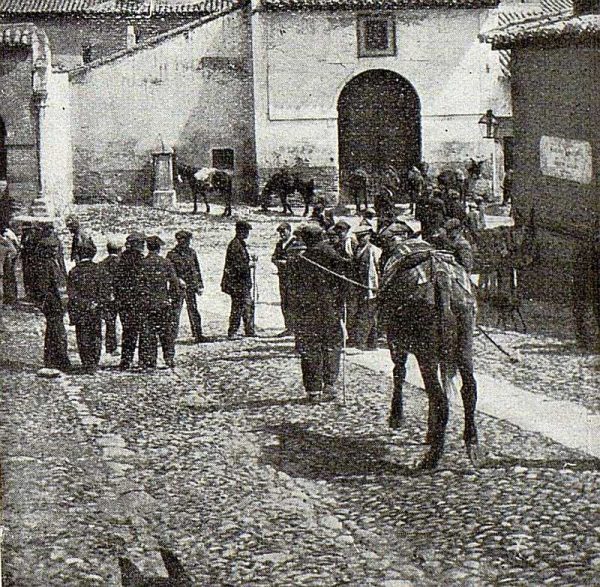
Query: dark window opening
[(222, 158), (3, 158), (376, 36)]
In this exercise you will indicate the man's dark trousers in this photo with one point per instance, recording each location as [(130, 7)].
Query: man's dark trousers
[(131, 323), (284, 295), (110, 321), (56, 355), (320, 352), (157, 326), (89, 340), (193, 314), (242, 307)]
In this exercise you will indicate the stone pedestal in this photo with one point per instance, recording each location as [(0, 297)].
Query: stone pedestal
[(163, 195)]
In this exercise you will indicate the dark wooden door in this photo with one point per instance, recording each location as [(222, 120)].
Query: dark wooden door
[(379, 124)]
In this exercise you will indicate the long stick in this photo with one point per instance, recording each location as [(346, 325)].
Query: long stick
[(497, 345), (344, 336)]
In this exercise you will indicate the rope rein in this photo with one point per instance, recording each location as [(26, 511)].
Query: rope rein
[(338, 275)]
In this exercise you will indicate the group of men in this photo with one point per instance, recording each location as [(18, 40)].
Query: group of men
[(145, 292)]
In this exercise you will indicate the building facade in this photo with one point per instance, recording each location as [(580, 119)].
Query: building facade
[(325, 86)]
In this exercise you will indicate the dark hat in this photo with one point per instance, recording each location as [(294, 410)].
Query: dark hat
[(284, 226), (183, 235), (87, 251), (243, 225), (398, 228), (311, 233), (135, 237), (155, 241), (342, 225)]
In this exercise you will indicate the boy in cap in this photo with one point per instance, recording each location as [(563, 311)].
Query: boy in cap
[(84, 289), (160, 296), (108, 270), (187, 268), (81, 238), (128, 295), (237, 281), (280, 260)]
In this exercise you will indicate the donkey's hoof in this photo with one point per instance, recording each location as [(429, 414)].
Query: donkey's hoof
[(395, 422)]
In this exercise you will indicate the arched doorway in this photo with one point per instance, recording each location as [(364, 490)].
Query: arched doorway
[(379, 124)]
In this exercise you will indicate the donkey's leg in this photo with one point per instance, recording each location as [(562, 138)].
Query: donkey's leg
[(206, 203), (195, 210), (438, 412), (399, 357)]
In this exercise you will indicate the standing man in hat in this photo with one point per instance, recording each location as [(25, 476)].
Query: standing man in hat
[(454, 206), (84, 288), (50, 291), (81, 239), (108, 270), (159, 285), (187, 268), (367, 269), (458, 244), (280, 259), (237, 281), (317, 300), (128, 295)]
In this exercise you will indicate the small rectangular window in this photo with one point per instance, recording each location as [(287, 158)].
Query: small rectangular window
[(87, 53), (222, 158), (376, 36)]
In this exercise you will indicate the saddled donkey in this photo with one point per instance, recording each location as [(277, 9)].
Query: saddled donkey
[(199, 181), (427, 309), (284, 184)]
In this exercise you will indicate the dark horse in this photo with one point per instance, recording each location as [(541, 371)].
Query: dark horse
[(427, 309), (284, 184), (203, 180)]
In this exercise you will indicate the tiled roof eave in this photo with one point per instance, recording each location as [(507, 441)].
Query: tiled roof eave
[(365, 5), (555, 29)]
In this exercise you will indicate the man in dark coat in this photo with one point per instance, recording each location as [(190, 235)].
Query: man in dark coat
[(81, 239), (280, 259), (108, 270), (452, 239), (433, 215), (454, 206), (84, 288), (128, 295), (187, 267), (317, 300), (50, 290), (159, 285), (237, 281)]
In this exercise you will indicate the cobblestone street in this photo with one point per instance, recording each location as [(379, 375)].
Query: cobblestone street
[(224, 463)]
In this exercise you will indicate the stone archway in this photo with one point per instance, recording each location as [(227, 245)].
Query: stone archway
[(379, 124)]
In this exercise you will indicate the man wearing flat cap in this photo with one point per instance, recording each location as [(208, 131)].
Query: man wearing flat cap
[(128, 295), (84, 288), (237, 281), (160, 297), (280, 259), (108, 271), (317, 303), (367, 272), (187, 267)]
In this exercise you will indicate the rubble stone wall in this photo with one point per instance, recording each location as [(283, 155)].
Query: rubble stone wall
[(303, 61), (105, 34), (555, 95), (191, 91)]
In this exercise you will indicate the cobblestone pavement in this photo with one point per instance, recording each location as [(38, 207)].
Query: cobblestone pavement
[(223, 462)]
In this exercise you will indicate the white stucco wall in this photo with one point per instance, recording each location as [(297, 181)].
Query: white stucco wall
[(56, 154), (192, 91), (303, 61)]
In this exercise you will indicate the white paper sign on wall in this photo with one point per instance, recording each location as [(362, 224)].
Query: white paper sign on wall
[(566, 159)]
